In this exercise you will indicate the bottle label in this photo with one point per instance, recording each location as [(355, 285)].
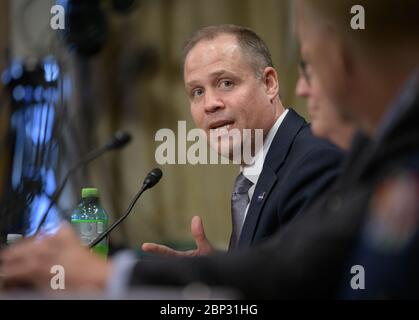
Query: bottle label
[(99, 227), (89, 230)]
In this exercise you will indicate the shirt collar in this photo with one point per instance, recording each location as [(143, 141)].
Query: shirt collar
[(249, 170)]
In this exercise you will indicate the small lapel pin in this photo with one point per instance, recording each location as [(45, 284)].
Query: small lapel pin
[(261, 196)]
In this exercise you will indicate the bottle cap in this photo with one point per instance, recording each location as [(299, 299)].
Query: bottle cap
[(89, 193), (13, 237)]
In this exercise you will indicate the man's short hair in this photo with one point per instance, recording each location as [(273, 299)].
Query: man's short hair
[(250, 43)]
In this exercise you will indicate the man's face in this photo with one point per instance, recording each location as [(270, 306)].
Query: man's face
[(324, 66), (325, 121), (224, 91)]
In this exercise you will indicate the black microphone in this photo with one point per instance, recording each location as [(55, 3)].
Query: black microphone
[(119, 139), (150, 181)]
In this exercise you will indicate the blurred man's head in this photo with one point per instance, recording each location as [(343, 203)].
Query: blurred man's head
[(359, 71), (230, 81), (325, 121)]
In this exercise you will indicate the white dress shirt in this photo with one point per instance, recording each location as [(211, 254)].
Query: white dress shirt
[(249, 171)]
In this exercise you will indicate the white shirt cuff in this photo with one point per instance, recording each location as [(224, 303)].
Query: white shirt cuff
[(122, 266)]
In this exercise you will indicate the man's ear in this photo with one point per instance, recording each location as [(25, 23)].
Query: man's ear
[(341, 60), (271, 82), (348, 61), (341, 55)]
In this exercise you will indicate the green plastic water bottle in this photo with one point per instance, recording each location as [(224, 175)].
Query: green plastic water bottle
[(90, 220)]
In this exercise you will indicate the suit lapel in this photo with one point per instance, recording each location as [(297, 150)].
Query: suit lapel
[(276, 156), (263, 188)]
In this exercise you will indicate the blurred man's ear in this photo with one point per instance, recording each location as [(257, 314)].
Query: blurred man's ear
[(339, 60), (345, 58), (270, 78)]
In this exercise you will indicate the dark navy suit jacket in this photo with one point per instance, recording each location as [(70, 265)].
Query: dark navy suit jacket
[(297, 169)]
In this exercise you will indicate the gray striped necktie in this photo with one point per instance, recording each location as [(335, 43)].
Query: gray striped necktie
[(239, 201)]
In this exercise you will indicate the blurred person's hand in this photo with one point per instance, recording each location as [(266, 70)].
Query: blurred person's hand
[(202, 244), (29, 263)]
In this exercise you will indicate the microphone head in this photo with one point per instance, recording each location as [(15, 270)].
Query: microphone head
[(152, 178), (120, 139)]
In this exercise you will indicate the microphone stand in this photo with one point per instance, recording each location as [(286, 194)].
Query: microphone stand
[(150, 181), (127, 212)]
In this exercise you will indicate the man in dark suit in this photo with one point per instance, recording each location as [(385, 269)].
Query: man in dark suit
[(297, 169), (231, 84)]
